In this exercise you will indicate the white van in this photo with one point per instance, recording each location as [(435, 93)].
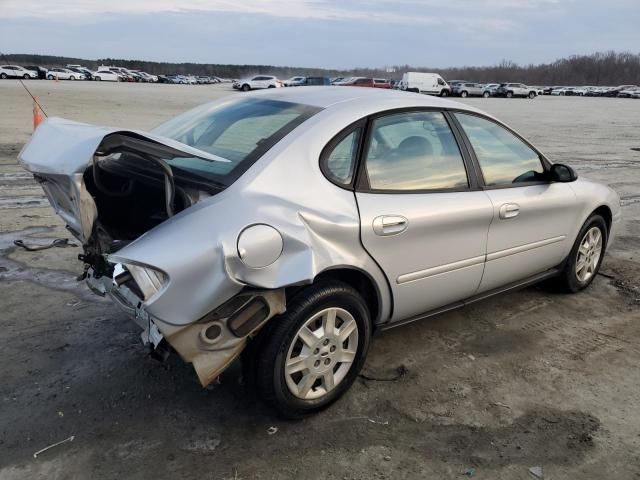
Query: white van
[(420, 82)]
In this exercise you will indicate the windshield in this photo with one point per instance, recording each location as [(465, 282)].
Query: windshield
[(240, 132)]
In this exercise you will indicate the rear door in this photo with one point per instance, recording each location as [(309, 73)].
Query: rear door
[(423, 219), (532, 217)]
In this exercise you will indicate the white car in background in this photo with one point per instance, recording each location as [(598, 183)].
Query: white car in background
[(106, 76), (257, 82), (64, 74), (16, 71), (294, 81)]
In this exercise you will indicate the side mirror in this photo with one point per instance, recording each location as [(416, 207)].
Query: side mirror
[(562, 173)]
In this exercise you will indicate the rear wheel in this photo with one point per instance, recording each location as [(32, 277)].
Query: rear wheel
[(486, 94), (532, 94), (586, 256), (72, 77), (308, 357)]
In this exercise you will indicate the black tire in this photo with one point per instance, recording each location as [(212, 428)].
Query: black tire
[(26, 76), (50, 77), (444, 93), (532, 95), (568, 280), (245, 88), (266, 357), (3, 76), (97, 79), (464, 94), (72, 77), (486, 94), (509, 94)]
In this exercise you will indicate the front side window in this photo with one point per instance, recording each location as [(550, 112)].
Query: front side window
[(414, 151), (239, 132), (339, 159), (504, 158)]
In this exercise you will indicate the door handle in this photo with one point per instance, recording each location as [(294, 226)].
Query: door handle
[(509, 210), (385, 225)]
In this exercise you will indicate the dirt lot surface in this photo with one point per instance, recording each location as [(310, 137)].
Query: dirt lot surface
[(528, 379)]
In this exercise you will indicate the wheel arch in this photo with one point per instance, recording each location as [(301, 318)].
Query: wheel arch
[(361, 281), (605, 212)]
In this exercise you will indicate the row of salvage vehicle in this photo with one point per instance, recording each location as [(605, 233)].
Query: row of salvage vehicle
[(102, 73)]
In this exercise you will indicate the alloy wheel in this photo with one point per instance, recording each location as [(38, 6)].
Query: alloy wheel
[(589, 254), (321, 353)]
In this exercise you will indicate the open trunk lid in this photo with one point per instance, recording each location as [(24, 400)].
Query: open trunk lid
[(61, 151)]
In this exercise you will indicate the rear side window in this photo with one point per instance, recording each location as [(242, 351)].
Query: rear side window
[(504, 158), (414, 151), (339, 157)]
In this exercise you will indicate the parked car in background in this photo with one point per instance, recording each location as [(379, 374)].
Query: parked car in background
[(627, 92), (381, 83), (489, 89), (64, 74), (82, 71), (563, 91), (403, 206), (16, 71), (317, 81), (106, 76), (510, 90), (359, 82), (343, 81), (294, 82), (41, 71), (468, 89), (257, 82), (422, 82)]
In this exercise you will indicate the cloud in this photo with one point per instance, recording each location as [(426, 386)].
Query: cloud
[(403, 12)]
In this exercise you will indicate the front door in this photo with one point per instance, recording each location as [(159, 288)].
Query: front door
[(532, 216), (421, 218)]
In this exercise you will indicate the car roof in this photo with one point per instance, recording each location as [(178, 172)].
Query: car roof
[(327, 96)]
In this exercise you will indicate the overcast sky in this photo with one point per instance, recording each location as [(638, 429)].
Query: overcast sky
[(321, 33)]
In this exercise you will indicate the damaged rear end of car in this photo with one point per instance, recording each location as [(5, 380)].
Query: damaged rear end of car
[(136, 202)]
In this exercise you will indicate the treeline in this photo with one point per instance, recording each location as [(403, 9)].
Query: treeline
[(603, 68)]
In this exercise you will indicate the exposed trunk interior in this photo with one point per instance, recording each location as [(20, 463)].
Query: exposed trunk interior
[(134, 190)]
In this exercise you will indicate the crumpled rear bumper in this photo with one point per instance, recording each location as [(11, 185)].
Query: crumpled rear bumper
[(210, 343)]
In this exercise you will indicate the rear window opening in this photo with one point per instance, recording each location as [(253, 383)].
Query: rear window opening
[(138, 182)]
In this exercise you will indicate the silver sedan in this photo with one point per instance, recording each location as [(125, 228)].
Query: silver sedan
[(290, 224)]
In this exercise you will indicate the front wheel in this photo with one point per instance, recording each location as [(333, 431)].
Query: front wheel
[(26, 76), (586, 256), (245, 88), (444, 93), (308, 357), (464, 94), (72, 77), (3, 76), (486, 94), (97, 79), (509, 94)]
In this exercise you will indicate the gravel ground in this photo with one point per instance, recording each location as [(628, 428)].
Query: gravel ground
[(527, 379)]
